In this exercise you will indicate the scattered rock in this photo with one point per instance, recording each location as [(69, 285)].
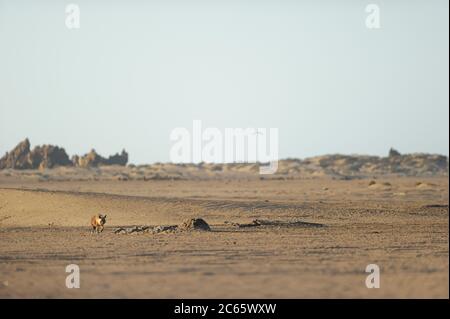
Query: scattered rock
[(139, 229), (145, 229), (277, 223), (201, 225), (195, 224), (120, 230), (187, 225), (163, 229)]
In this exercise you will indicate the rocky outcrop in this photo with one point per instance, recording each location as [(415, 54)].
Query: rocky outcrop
[(49, 156), (18, 157), (46, 156), (93, 159), (118, 159), (393, 152)]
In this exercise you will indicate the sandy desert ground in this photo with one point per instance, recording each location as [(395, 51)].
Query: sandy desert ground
[(399, 223)]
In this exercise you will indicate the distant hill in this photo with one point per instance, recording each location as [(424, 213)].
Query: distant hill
[(54, 164)]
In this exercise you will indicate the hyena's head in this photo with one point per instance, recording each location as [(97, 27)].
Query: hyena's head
[(102, 219)]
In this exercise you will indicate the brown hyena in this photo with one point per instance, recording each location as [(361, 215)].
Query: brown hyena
[(98, 222)]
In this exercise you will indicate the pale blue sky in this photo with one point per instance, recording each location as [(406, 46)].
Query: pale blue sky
[(136, 70)]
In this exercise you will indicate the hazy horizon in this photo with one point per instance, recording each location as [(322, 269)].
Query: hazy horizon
[(134, 71)]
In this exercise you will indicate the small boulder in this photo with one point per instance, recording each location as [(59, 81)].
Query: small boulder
[(195, 224)]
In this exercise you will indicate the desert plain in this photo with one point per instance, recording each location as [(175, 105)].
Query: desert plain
[(326, 231)]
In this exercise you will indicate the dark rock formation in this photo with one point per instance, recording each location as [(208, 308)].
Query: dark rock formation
[(393, 152), (18, 157), (118, 159), (93, 159), (49, 156), (46, 156)]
